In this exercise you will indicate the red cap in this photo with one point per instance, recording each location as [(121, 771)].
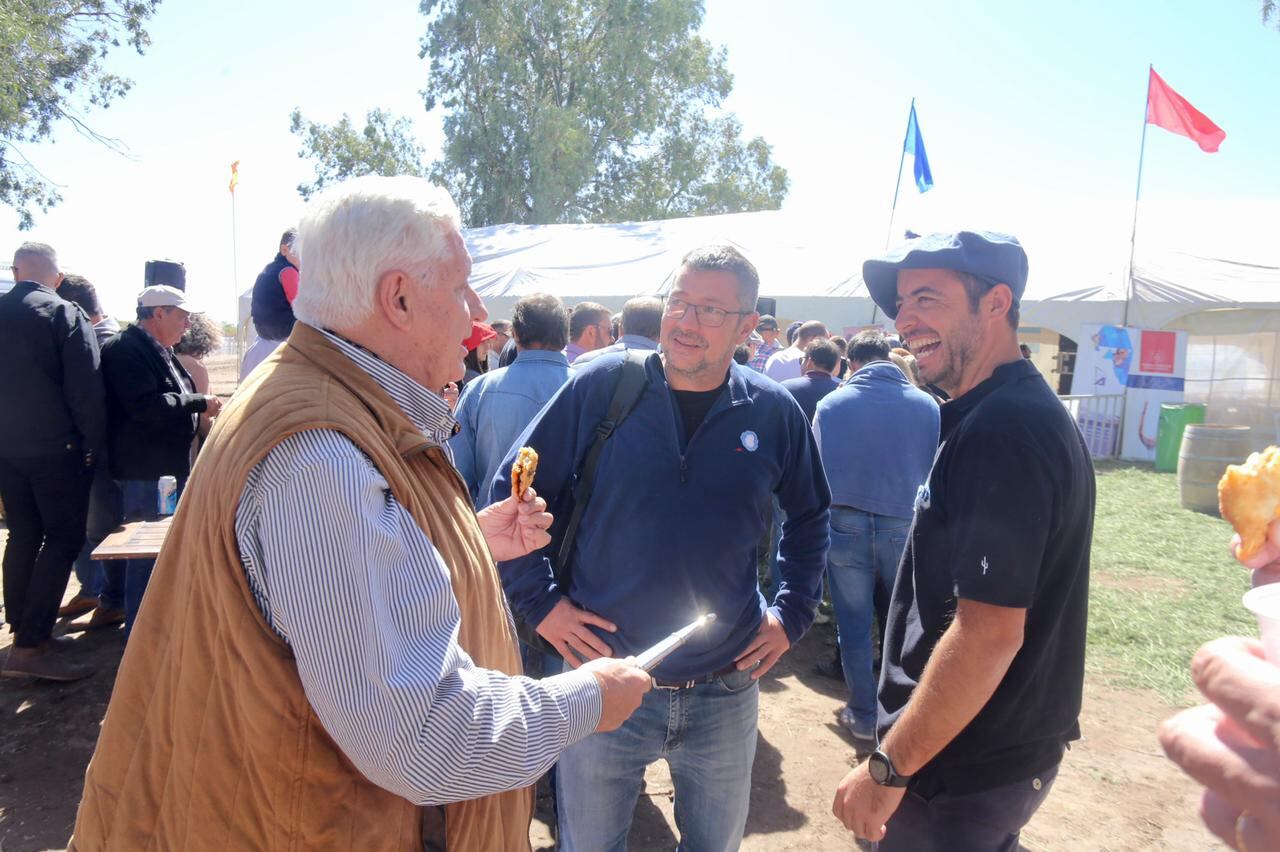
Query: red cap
[(480, 332)]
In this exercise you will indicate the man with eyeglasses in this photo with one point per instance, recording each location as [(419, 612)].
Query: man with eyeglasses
[(672, 531)]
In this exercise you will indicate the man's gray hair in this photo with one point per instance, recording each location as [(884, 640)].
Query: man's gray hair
[(359, 230), (726, 258), (38, 252), (643, 316), (38, 262)]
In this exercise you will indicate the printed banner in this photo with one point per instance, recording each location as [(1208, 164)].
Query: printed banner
[(1147, 367)]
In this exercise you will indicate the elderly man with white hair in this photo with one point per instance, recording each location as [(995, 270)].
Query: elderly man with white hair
[(325, 648)]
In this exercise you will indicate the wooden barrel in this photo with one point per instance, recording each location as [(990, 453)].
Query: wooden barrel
[(1206, 451)]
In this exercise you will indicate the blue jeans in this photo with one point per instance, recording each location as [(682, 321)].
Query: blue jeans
[(141, 501), (707, 734), (864, 548), (989, 821), (102, 580), (538, 664)]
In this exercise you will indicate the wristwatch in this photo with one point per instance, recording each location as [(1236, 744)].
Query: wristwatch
[(882, 771)]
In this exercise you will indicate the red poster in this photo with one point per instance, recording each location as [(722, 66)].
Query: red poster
[(1159, 349)]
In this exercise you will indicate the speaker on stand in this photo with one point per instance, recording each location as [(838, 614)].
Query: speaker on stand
[(169, 272)]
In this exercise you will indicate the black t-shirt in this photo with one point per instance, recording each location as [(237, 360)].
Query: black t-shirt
[(1006, 518), (694, 406)]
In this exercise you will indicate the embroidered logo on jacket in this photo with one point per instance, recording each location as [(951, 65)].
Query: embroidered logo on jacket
[(750, 441), (923, 498)]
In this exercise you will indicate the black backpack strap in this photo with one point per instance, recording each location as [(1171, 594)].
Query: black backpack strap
[(630, 387)]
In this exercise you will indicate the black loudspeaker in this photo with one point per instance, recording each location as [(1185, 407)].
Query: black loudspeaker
[(767, 306), (169, 272)]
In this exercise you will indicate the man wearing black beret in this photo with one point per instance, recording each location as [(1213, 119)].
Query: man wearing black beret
[(983, 662)]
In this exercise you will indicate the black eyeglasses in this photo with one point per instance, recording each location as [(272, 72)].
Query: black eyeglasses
[(707, 315)]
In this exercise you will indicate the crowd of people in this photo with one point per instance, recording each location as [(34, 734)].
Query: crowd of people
[(390, 641), (94, 417)]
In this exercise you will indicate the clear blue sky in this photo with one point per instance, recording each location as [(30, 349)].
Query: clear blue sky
[(1031, 113)]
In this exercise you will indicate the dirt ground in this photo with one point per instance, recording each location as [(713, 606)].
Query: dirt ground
[(224, 374), (1115, 791)]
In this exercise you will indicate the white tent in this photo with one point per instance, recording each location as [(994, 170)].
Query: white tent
[(1202, 284), (1221, 278), (1209, 268), (809, 271), (814, 271), (1205, 295)]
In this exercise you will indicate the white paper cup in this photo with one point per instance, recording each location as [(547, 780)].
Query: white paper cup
[(1264, 602)]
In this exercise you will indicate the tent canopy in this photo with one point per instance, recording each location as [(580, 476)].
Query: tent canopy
[(1206, 267), (814, 271), (611, 263)]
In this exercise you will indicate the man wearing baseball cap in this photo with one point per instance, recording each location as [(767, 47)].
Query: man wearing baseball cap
[(153, 412), (983, 661), (767, 329)]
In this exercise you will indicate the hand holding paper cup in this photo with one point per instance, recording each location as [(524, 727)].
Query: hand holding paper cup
[(1249, 497), (1264, 602), (1230, 745)]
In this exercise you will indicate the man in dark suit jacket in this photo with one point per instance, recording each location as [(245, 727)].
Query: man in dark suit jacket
[(52, 424), (153, 413)]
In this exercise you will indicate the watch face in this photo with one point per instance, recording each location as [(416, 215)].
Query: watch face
[(878, 766)]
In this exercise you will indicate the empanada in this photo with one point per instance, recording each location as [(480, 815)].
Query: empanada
[(1249, 497), (522, 471)]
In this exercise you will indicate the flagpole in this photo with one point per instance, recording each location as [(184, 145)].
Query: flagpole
[(1133, 238), (1137, 197), (897, 187), (235, 263)]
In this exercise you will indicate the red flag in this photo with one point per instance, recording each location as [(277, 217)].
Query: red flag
[(235, 177), (1170, 110)]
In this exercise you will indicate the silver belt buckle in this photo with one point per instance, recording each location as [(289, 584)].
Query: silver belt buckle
[(688, 684)]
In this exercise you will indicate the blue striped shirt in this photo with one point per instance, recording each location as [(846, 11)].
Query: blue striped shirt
[(344, 575)]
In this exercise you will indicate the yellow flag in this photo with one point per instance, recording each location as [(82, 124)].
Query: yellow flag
[(235, 177)]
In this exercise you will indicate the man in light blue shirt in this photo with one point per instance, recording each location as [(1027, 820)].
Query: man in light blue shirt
[(496, 407), (640, 327), (877, 434)]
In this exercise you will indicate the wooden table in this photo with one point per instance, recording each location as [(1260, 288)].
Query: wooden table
[(135, 540)]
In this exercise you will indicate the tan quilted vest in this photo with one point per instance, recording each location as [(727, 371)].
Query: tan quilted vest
[(209, 742)]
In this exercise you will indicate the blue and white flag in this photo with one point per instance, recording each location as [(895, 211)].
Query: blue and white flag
[(914, 145)]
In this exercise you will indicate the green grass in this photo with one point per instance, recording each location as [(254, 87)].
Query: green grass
[(1163, 583)]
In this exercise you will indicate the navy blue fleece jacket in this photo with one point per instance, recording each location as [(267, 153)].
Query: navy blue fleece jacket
[(674, 527)]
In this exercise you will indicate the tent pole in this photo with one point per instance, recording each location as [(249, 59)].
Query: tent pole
[(1133, 234), (897, 187)]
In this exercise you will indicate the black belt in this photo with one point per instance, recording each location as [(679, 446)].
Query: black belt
[(697, 681)]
